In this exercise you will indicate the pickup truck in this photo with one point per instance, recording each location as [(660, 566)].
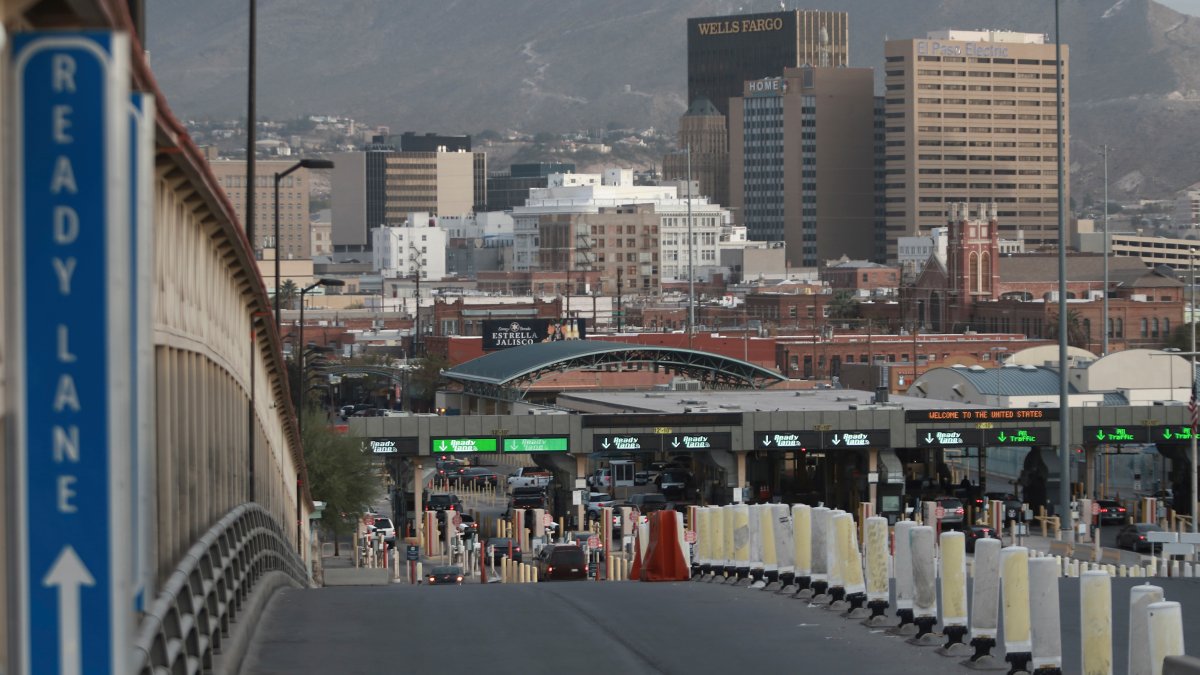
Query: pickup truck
[(528, 477)]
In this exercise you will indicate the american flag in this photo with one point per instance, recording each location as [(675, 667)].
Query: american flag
[(1194, 409)]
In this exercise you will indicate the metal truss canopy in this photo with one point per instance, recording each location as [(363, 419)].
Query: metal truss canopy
[(507, 374)]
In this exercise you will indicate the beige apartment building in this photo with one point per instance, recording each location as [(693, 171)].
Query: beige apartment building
[(802, 162), (294, 235), (440, 183), (970, 117)]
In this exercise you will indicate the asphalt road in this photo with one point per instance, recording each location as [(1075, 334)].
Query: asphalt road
[(583, 627)]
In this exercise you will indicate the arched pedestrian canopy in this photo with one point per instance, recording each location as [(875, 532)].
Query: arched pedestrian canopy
[(507, 374), (396, 375)]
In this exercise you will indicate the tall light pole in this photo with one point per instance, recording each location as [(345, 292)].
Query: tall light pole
[(279, 176), (1192, 376), (691, 247), (1104, 350), (300, 340), (251, 113), (1064, 401)]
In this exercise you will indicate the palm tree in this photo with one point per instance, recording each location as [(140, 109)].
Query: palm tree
[(288, 292), (1076, 335)]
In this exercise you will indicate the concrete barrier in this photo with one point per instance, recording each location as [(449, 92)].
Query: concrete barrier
[(1014, 587), (1095, 623), (770, 560), (902, 566), (1181, 665), (716, 531), (1165, 624), (802, 537), (877, 582), (821, 519), (985, 605), (850, 563), (757, 565), (833, 555), (1140, 599), (1045, 619), (924, 573), (785, 549), (954, 593), (741, 543), (703, 565)]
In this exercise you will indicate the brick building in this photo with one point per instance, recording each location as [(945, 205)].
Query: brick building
[(862, 277)]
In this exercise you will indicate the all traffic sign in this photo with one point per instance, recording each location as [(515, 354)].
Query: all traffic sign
[(72, 331)]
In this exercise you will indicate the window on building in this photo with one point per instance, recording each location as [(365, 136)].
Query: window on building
[(1145, 328)]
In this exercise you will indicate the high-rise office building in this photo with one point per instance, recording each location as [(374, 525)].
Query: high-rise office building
[(702, 132), (510, 188), (802, 162), (381, 186), (970, 117), (725, 51), (294, 234)]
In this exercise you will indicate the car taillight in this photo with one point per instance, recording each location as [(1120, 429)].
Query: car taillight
[(432, 579), (451, 507), (1141, 538), (1122, 509), (959, 511), (549, 570)]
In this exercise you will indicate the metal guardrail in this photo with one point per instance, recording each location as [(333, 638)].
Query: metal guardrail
[(187, 623)]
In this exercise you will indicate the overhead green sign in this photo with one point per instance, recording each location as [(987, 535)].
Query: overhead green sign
[(1176, 434), (537, 444), (1020, 436), (1124, 434), (449, 446)]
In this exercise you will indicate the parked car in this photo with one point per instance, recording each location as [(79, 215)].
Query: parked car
[(444, 575), (976, 532), (1111, 512), (955, 514), (601, 479), (502, 547), (561, 562), (1133, 537), (529, 477)]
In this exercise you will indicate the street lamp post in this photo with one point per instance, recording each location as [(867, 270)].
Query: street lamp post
[(1192, 377), (1064, 401), (300, 339), (691, 248), (1104, 350), (302, 164)]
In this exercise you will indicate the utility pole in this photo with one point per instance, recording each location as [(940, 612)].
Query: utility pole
[(620, 288), (415, 259), (691, 248), (1064, 400), (1104, 349)]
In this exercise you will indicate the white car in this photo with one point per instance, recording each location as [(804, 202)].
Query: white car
[(384, 528), (597, 501)]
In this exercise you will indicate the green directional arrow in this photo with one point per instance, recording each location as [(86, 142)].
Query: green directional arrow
[(1167, 434), (1100, 435), (1001, 437)]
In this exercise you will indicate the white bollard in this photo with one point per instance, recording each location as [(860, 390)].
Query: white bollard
[(954, 593), (924, 572), (1014, 587), (1140, 599), (716, 530), (1165, 623), (833, 555), (1045, 624), (902, 566), (741, 542), (1187, 570), (1175, 568), (781, 529), (728, 525), (821, 518), (802, 538), (1095, 623), (703, 543), (985, 601), (878, 589), (757, 567)]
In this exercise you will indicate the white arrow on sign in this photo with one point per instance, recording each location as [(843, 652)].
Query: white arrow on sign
[(675, 442), (837, 439), (69, 573), (928, 438), (443, 446), (604, 443), (766, 440)]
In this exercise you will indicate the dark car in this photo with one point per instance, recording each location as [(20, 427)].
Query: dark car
[(976, 532), (527, 498), (649, 502), (561, 562), (475, 476), (445, 575), (502, 547), (674, 483), (443, 502), (1013, 509), (1111, 512), (1133, 536)]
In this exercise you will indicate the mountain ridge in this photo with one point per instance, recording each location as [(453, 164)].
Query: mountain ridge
[(535, 65)]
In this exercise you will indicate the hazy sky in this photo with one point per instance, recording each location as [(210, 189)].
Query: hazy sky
[(1188, 6)]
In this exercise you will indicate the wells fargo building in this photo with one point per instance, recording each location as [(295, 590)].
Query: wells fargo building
[(726, 51)]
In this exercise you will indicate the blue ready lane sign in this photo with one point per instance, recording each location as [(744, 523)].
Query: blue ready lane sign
[(70, 330)]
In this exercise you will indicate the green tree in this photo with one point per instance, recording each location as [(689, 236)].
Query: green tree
[(843, 306), (288, 292), (339, 474), (424, 381), (1181, 337)]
